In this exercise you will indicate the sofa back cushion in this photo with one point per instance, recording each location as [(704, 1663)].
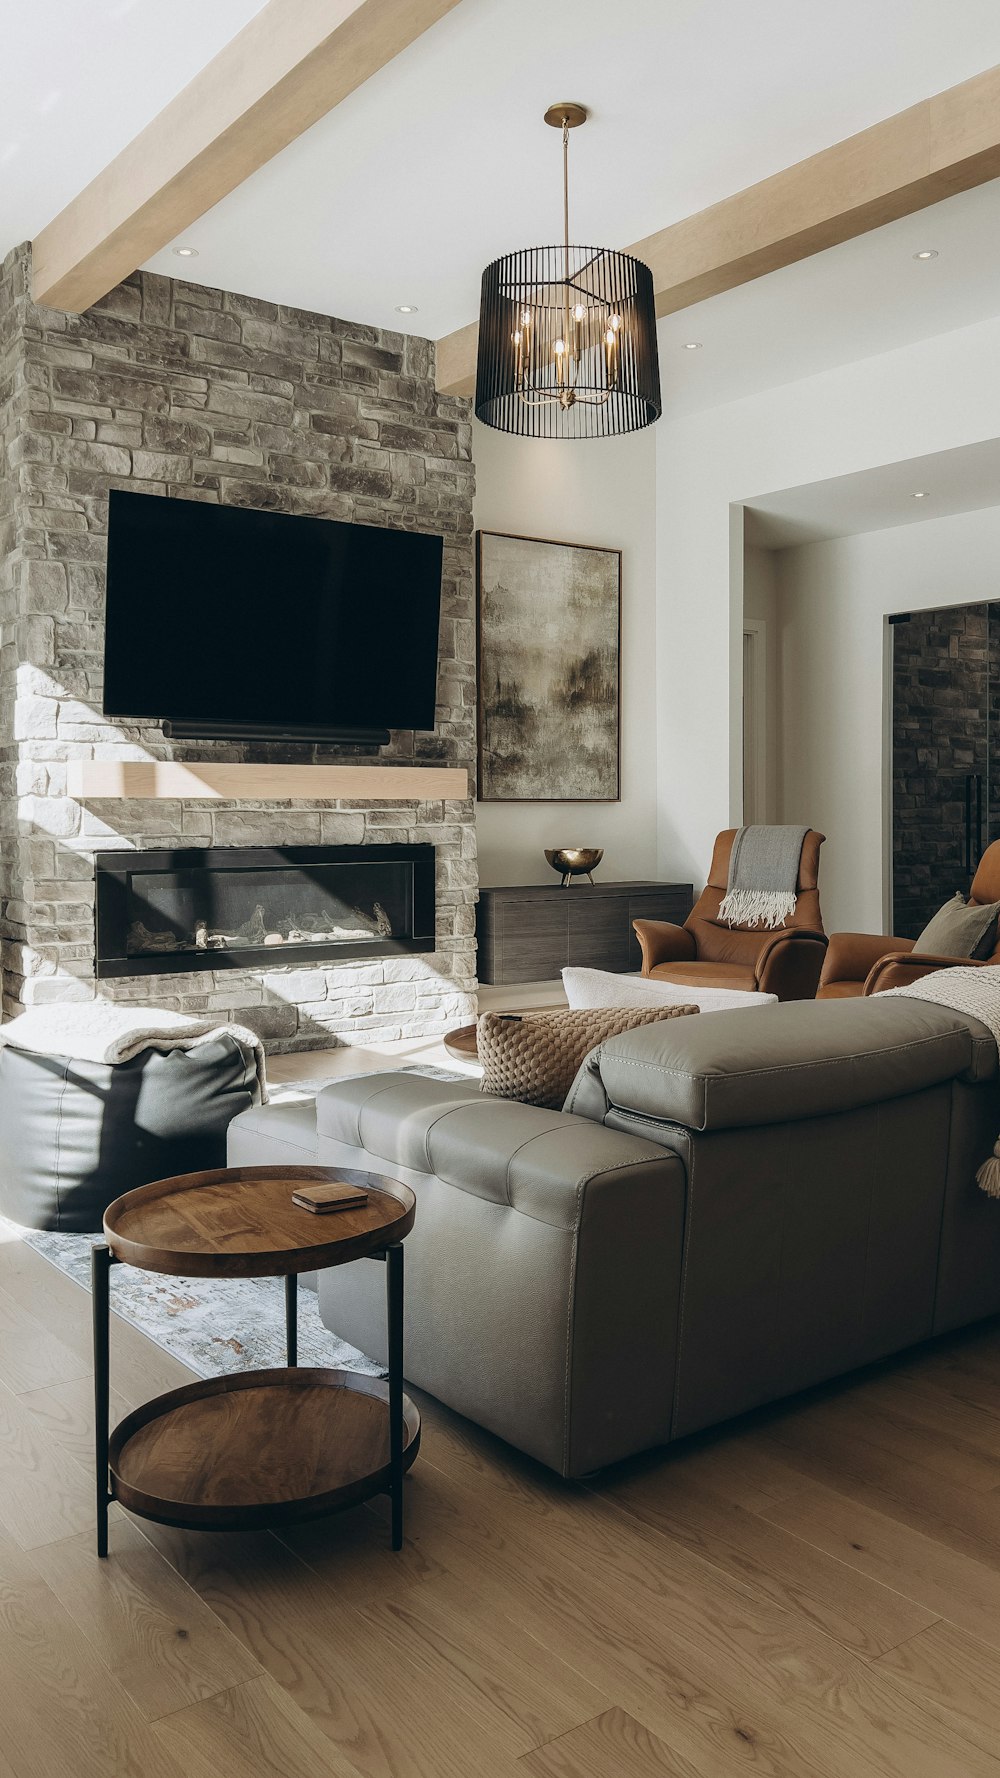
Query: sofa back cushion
[(805, 1059)]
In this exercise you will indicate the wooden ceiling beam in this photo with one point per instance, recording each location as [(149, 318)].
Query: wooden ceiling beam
[(945, 144), (295, 61)]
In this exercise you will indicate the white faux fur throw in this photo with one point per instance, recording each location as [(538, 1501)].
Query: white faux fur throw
[(976, 992), (601, 988), (97, 1031)]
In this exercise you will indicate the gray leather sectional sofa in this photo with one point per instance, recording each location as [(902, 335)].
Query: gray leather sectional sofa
[(729, 1209)]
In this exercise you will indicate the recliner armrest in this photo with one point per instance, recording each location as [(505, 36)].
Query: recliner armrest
[(662, 942), (789, 963), (898, 971), (851, 955)]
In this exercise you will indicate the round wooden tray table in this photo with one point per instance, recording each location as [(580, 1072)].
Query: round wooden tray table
[(256, 1448)]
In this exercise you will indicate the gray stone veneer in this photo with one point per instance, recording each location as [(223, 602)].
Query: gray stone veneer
[(180, 390)]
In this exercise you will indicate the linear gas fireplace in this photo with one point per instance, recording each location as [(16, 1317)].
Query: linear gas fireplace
[(160, 912)]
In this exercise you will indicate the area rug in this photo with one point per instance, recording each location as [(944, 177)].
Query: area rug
[(214, 1326)]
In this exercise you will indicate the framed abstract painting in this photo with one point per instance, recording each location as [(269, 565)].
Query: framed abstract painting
[(549, 653)]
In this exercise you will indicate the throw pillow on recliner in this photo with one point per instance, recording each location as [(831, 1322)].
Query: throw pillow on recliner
[(961, 929), (535, 1060)]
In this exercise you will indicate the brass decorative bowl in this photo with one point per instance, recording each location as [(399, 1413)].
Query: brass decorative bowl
[(575, 861)]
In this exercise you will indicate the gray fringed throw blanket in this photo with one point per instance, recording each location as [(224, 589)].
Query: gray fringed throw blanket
[(763, 876), (976, 992)]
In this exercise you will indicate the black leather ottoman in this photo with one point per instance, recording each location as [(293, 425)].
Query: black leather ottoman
[(74, 1135)]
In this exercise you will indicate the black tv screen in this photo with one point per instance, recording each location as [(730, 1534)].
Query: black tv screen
[(220, 615)]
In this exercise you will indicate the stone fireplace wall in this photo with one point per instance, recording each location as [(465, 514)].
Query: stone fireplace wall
[(178, 390)]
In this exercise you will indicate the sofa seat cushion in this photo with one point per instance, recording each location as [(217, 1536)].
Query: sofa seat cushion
[(841, 990), (806, 1059), (707, 975), (496, 1149), (275, 1134)]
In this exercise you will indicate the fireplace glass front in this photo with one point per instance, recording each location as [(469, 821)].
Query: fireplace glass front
[(203, 908)]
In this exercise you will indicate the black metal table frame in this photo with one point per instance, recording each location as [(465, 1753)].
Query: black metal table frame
[(102, 1260)]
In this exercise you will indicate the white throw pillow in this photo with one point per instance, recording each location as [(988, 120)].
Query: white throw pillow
[(600, 987)]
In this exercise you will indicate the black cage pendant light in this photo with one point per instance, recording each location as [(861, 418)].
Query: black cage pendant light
[(567, 335)]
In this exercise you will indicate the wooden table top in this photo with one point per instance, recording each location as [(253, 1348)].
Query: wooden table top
[(240, 1222), (259, 1448)]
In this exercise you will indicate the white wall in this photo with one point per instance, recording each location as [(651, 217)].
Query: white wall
[(597, 491), (672, 497), (833, 599), (931, 396), (760, 601)]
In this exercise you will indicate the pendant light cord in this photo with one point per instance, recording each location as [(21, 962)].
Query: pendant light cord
[(566, 241), (566, 194)]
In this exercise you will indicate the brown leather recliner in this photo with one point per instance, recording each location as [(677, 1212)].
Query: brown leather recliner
[(706, 953), (868, 963)]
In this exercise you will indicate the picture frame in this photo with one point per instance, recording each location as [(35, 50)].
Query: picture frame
[(548, 669)]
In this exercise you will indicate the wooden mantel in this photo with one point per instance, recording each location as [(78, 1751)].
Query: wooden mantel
[(188, 780)]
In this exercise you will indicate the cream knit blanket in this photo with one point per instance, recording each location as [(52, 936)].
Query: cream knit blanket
[(977, 993), (98, 1031)]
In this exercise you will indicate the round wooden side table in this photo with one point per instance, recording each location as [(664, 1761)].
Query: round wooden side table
[(260, 1448), (462, 1043)]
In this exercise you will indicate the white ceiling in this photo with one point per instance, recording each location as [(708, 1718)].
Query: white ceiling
[(441, 161), (961, 480), (853, 301), (80, 79)]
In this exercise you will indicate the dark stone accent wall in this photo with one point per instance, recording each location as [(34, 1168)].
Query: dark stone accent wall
[(183, 391), (946, 668)]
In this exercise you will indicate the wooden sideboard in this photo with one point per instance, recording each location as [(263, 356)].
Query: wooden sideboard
[(529, 933)]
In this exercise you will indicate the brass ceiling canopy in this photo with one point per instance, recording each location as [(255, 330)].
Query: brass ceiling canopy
[(568, 115)]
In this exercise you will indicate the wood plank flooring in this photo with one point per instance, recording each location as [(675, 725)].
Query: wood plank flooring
[(812, 1593)]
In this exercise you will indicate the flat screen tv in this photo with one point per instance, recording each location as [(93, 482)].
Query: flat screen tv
[(222, 621)]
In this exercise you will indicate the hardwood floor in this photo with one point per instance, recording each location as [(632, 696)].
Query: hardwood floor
[(813, 1593)]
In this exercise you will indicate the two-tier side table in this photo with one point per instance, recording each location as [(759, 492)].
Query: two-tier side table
[(255, 1449)]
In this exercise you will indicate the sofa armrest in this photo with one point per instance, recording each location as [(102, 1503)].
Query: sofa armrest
[(851, 955), (546, 1253), (514, 1155), (662, 942), (789, 963), (899, 971)]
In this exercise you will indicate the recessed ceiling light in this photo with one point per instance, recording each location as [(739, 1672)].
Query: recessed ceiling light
[(921, 494), (692, 345), (406, 308), (926, 253), (186, 252)]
